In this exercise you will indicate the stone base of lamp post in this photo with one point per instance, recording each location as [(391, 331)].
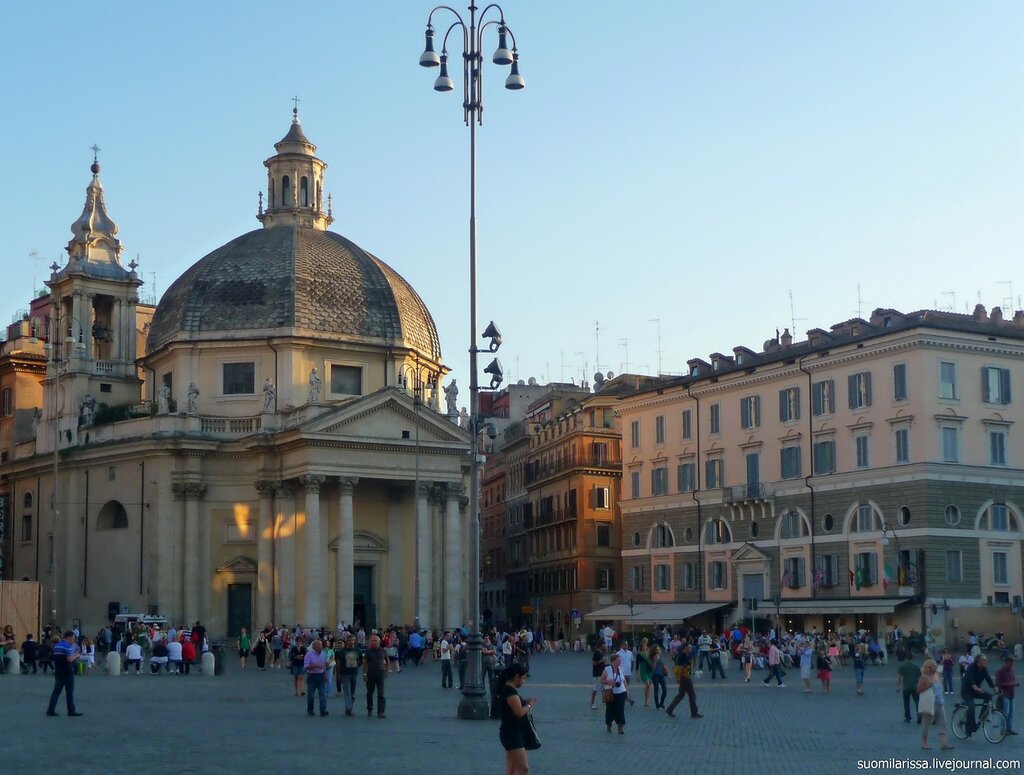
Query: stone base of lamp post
[(474, 706)]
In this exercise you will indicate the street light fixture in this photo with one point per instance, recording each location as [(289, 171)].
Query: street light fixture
[(473, 704)]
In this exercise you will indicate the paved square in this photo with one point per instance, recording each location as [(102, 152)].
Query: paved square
[(252, 720)]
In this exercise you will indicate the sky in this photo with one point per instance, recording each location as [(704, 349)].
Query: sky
[(677, 178)]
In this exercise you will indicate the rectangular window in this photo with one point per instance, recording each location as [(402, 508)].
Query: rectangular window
[(715, 419), (717, 574), (950, 444), (713, 474), (634, 484), (750, 412), (7, 402), (26, 527), (790, 460), (947, 380), (687, 424), (663, 578), (687, 576), (659, 481), (605, 579), (860, 389), (659, 429), (995, 385), (1000, 517), (899, 382), (865, 518), (867, 566), (901, 441), (789, 404), (826, 570), (824, 398), (636, 578), (604, 535), (685, 477), (634, 434), (824, 457), (795, 572), (601, 499), (997, 447), (954, 566), (239, 379), (346, 380), (999, 568), (862, 445)]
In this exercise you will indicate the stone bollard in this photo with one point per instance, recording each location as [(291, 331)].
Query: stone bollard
[(113, 663), (209, 663), (1018, 652), (12, 662)]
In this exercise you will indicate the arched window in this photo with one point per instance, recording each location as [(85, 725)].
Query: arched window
[(112, 517), (999, 518), (717, 532), (662, 537), (27, 500), (286, 192), (865, 519), (792, 525), (304, 191)]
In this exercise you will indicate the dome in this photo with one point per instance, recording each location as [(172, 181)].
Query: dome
[(308, 281)]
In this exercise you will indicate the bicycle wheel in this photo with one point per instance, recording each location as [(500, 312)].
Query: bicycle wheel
[(958, 722), (995, 726)]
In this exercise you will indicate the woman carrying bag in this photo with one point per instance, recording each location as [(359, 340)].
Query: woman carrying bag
[(614, 695), (930, 705), (516, 733)]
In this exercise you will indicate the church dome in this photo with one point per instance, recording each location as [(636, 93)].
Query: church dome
[(296, 280)]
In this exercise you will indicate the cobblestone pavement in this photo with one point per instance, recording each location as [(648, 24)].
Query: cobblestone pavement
[(240, 720)]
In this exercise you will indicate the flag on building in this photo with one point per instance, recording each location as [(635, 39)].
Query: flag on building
[(859, 578), (851, 578), (819, 578), (886, 577), (787, 579)]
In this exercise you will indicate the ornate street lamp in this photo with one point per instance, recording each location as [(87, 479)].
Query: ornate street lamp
[(473, 704)]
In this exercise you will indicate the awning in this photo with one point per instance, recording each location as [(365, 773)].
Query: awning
[(837, 605), (654, 613)]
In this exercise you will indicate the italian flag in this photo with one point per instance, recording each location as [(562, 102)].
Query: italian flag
[(886, 577)]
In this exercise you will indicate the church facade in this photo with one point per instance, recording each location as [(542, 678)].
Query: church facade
[(267, 444)]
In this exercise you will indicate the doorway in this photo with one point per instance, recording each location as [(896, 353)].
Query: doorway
[(239, 608), (364, 610)]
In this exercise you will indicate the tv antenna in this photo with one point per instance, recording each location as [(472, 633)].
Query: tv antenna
[(657, 322), (1007, 303), (624, 366), (597, 345), (792, 314), (952, 300)]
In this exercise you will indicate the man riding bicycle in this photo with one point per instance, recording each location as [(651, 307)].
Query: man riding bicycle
[(971, 689)]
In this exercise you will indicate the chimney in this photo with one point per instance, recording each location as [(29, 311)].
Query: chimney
[(979, 313), (1018, 317), (997, 315), (787, 338)]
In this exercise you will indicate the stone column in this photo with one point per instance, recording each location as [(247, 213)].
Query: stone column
[(438, 572), (312, 564), (453, 549), (87, 323), (424, 557), (285, 551), (265, 554), (195, 554), (396, 611), (116, 332), (345, 569)]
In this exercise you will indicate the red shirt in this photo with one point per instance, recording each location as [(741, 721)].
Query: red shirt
[(188, 651)]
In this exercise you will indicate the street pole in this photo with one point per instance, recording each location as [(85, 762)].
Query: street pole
[(473, 704)]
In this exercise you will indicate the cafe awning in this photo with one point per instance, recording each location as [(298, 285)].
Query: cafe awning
[(654, 613), (837, 605)]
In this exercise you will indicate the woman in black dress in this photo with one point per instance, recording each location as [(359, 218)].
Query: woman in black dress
[(513, 708), (260, 651)]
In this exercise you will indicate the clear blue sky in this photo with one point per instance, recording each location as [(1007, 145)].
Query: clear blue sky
[(682, 161)]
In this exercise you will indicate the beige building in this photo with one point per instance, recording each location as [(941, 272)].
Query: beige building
[(869, 475), (257, 462)]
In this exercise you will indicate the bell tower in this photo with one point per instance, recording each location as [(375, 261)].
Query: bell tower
[(91, 336), (295, 183)]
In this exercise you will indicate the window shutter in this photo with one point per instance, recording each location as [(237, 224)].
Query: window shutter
[(1004, 383), (986, 394), (756, 401), (795, 405), (851, 384), (744, 413), (783, 406), (866, 376), (873, 568)]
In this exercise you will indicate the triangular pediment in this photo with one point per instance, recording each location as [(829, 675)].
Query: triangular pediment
[(238, 564), (384, 416), (748, 553)]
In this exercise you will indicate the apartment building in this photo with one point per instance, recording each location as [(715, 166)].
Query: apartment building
[(872, 474)]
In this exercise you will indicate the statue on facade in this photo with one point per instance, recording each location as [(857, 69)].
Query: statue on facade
[(314, 386), (451, 397), (269, 395), (463, 418), (163, 400), (193, 398), (87, 411)]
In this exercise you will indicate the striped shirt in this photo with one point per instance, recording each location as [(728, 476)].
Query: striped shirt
[(61, 652)]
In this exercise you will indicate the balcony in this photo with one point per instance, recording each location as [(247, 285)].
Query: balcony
[(535, 471), (755, 491)]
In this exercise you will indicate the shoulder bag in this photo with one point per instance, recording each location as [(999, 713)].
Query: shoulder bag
[(531, 742)]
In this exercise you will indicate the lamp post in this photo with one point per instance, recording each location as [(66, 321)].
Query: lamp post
[(473, 704)]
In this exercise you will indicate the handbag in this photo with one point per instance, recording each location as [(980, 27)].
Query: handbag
[(531, 742), (926, 702), (607, 695)]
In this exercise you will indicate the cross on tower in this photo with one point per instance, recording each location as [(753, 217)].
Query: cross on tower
[(95, 150), (295, 110)]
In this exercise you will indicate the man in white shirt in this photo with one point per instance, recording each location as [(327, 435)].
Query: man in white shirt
[(608, 634), (174, 656), (626, 666), (704, 649), (133, 656), (446, 662)]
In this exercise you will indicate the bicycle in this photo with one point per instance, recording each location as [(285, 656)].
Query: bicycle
[(989, 720)]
